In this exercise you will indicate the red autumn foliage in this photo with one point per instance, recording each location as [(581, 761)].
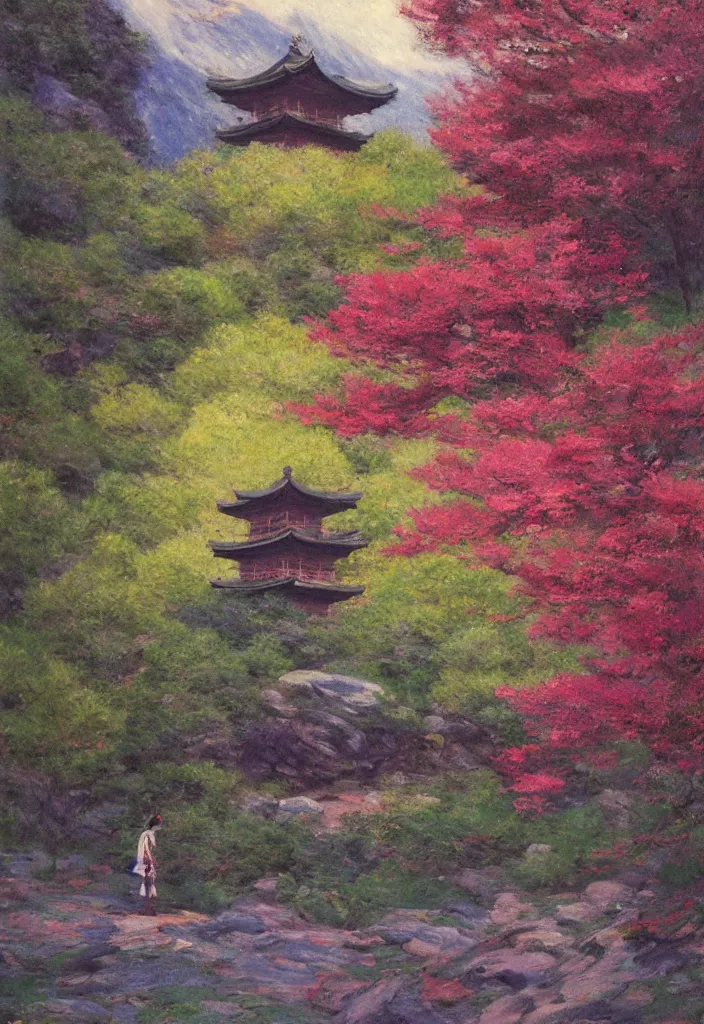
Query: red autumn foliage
[(600, 484), (586, 108), (585, 125), (502, 317)]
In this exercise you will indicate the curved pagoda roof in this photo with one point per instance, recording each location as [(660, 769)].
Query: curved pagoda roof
[(328, 592), (340, 544), (297, 64), (290, 127), (250, 502)]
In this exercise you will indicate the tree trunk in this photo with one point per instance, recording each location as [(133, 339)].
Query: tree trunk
[(683, 279)]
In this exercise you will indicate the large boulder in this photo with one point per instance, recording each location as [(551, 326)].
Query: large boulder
[(321, 727), (353, 694), (605, 895), (298, 807)]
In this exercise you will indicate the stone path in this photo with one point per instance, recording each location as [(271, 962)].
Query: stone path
[(71, 951)]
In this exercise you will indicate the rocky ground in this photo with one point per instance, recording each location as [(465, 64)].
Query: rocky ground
[(75, 949), (321, 728)]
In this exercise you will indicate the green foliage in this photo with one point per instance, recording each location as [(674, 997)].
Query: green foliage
[(170, 232), (393, 859), (269, 358), (185, 301), (341, 901), (49, 717), (36, 521), (60, 184), (573, 835)]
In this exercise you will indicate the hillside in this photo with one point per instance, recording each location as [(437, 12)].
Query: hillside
[(366, 853)]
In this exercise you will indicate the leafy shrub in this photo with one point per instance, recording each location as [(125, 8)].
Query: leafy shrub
[(184, 302)]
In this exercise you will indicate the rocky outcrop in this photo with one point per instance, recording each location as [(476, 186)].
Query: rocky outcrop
[(321, 727), (64, 110)]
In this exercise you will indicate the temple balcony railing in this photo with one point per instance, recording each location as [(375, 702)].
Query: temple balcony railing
[(260, 528), (301, 111), (305, 572)]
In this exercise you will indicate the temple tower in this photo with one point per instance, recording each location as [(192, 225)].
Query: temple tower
[(288, 549), (296, 103)]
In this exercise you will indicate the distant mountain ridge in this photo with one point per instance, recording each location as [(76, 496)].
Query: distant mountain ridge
[(190, 39)]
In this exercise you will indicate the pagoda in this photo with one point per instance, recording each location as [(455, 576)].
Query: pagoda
[(287, 549), (295, 103)]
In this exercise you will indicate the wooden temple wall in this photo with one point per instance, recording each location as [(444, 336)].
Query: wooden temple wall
[(308, 570), (307, 93)]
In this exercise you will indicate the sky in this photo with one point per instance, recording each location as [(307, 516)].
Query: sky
[(189, 39)]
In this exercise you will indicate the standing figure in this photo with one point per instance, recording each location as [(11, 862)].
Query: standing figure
[(146, 865)]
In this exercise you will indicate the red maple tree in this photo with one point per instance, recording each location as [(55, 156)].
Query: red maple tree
[(592, 496), (593, 109), (502, 317), (585, 128)]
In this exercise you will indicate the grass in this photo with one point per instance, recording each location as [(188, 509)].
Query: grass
[(179, 1002), (18, 994)]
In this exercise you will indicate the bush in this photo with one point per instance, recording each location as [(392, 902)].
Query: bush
[(183, 303)]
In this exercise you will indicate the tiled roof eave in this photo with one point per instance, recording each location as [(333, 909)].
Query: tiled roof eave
[(292, 65), (345, 542), (287, 583), (293, 122)]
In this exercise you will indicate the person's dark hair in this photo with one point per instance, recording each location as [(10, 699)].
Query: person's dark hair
[(154, 820)]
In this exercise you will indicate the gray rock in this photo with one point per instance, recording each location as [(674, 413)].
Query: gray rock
[(616, 807), (370, 1007), (297, 805), (352, 741), (78, 1009), (466, 909), (514, 969), (229, 922), (662, 958), (478, 882), (276, 702), (297, 683), (406, 1008), (264, 806), (434, 723), (55, 99), (354, 694), (538, 850), (441, 936)]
